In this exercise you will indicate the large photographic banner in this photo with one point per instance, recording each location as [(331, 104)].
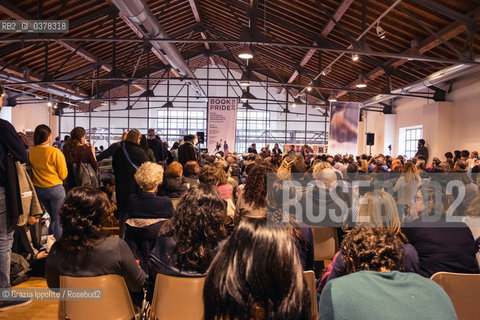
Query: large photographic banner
[(222, 124), (343, 137)]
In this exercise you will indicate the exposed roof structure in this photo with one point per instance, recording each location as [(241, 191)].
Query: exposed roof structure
[(295, 44)]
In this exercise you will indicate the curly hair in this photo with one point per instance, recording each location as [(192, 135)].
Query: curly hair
[(191, 168), (81, 215), (174, 170), (198, 225), (374, 249), (70, 148), (208, 174), (149, 175), (255, 190)]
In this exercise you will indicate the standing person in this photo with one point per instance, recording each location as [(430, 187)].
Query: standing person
[(157, 146), (11, 143), (124, 169), (276, 149), (422, 150), (76, 151), (57, 143), (253, 149), (49, 170), (146, 147), (225, 147), (187, 152), (111, 150)]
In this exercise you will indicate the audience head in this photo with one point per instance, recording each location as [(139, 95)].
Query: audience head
[(77, 137), (189, 137), (134, 136), (191, 168), (41, 135), (255, 191), (174, 170), (80, 215), (241, 285), (197, 226), (421, 143), (109, 183), (148, 176), (208, 175), (372, 249), (151, 133)]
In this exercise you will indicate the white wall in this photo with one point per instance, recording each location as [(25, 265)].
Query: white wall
[(25, 117), (446, 125)]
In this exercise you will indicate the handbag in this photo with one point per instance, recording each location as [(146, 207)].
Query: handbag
[(84, 174)]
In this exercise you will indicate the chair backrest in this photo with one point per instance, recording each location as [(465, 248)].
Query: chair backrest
[(177, 298), (464, 291), (324, 243), (175, 202), (115, 305), (309, 277)]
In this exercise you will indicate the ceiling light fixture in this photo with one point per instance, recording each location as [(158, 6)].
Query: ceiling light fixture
[(246, 95), (355, 57), (332, 98), (245, 53), (2, 91), (309, 88), (326, 71), (296, 101), (49, 103), (380, 31), (245, 80), (361, 82), (168, 104)]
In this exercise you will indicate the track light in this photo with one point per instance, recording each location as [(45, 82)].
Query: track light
[(361, 82), (332, 98), (309, 88), (380, 31), (355, 57), (245, 53), (326, 71), (49, 103)]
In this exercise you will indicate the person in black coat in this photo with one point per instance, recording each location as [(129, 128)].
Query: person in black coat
[(422, 150), (157, 146), (253, 149), (187, 152), (146, 213), (25, 243), (124, 171)]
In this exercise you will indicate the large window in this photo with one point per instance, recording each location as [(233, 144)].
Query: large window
[(408, 140), (172, 125)]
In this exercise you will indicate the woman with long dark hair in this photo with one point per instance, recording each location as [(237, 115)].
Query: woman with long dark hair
[(252, 199), (49, 170), (190, 239), (83, 250), (256, 275), (77, 151)]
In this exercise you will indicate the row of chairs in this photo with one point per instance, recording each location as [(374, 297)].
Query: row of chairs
[(173, 298)]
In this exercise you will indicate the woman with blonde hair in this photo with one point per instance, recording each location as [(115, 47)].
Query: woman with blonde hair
[(146, 212), (407, 187), (376, 209)]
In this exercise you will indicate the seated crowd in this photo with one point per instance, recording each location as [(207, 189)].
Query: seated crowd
[(247, 223)]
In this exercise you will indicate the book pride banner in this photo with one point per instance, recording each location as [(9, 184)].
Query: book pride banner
[(221, 124)]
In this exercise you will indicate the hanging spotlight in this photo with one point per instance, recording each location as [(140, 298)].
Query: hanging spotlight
[(355, 57), (246, 95), (361, 82), (332, 98), (49, 103), (247, 106), (168, 104), (326, 71), (309, 88), (380, 31), (245, 80), (2, 91), (296, 101), (245, 53)]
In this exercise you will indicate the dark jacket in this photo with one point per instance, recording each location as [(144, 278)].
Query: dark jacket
[(108, 256), (163, 260), (443, 246), (110, 151), (147, 205), (85, 155), (173, 187), (9, 142), (252, 150), (186, 152), (326, 211), (158, 149), (22, 246), (422, 151), (125, 184), (306, 252)]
